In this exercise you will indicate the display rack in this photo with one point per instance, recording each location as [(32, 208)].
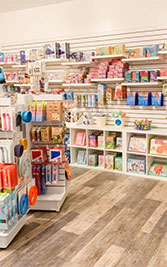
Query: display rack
[(55, 193)]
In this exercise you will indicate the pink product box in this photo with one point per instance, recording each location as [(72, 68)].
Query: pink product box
[(101, 161)]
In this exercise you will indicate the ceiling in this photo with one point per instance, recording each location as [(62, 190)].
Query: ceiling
[(11, 5)]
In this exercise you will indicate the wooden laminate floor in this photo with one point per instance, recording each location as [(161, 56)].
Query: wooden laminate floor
[(107, 220)]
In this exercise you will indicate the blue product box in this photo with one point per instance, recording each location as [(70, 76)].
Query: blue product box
[(2, 57), (144, 99), (157, 99), (132, 98), (22, 57), (150, 51), (137, 165)]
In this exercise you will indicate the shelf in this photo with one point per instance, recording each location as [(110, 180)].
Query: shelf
[(79, 85), (157, 156), (19, 66), (109, 56), (95, 127), (12, 82), (54, 61), (163, 52), (113, 150), (94, 168), (7, 236), (76, 146), (114, 80), (22, 85), (141, 84), (55, 81), (141, 59), (162, 78), (47, 122), (47, 97), (95, 148), (76, 64), (136, 153)]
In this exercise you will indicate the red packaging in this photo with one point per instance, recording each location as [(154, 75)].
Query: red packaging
[(9, 176)]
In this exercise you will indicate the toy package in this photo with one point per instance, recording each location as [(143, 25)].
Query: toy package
[(101, 161), (132, 98), (120, 92), (158, 169), (80, 139), (154, 75), (158, 145), (164, 90), (50, 50), (81, 157), (142, 125), (111, 141), (144, 76), (118, 142), (2, 57), (151, 51), (109, 95), (136, 53), (110, 161), (100, 141), (144, 98), (92, 141), (118, 163), (163, 72), (137, 165), (128, 76), (137, 143), (157, 99), (101, 94), (135, 76), (92, 160)]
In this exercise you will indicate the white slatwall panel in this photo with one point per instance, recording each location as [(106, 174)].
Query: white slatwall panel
[(132, 39)]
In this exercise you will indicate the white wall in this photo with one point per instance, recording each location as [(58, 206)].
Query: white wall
[(81, 17)]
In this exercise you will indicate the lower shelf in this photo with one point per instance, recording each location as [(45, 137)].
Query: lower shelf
[(52, 201), (7, 236), (94, 168)]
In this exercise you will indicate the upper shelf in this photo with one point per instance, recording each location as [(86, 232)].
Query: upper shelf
[(163, 52), (77, 64), (19, 66), (141, 59), (77, 85), (113, 80), (109, 56), (140, 84)]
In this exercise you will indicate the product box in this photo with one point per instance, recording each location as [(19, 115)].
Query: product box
[(157, 99), (136, 53), (92, 141), (144, 76), (81, 157), (158, 145), (110, 142), (57, 134), (163, 72), (50, 50), (101, 94), (22, 57), (135, 76), (109, 95), (118, 49), (164, 90), (45, 134), (62, 50), (92, 160), (118, 163), (128, 76), (119, 143), (80, 139), (120, 92), (137, 143), (151, 51), (132, 98), (153, 75), (144, 98), (158, 169), (100, 141), (137, 165), (2, 57), (103, 51), (54, 111), (101, 161), (40, 111), (110, 161)]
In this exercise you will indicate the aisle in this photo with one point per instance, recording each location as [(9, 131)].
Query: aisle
[(107, 220)]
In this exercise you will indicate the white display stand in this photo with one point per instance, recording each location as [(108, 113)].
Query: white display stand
[(55, 193)]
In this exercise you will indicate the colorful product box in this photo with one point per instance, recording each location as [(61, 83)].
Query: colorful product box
[(132, 98), (137, 143), (102, 94), (110, 161), (158, 145), (144, 99), (151, 51), (118, 163), (153, 75), (120, 92), (136, 53), (101, 161), (128, 76), (100, 141), (80, 139), (92, 141), (157, 99), (137, 165), (144, 76), (158, 169), (135, 76), (119, 143), (92, 160), (163, 72), (164, 90), (110, 142)]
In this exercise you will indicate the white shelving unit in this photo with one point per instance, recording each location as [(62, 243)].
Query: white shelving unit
[(77, 85), (162, 78), (126, 133), (19, 66), (109, 56), (141, 84), (55, 81), (113, 80), (77, 63), (22, 84), (146, 60)]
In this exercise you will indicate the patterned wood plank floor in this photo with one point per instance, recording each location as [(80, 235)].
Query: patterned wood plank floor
[(107, 220)]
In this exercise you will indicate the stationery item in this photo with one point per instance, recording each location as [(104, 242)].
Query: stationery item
[(38, 155), (38, 180), (48, 174), (136, 53), (137, 165), (43, 179), (158, 145), (81, 157), (101, 94), (136, 76), (158, 168), (145, 76), (151, 50), (56, 155), (144, 98), (137, 143), (54, 111), (132, 98), (157, 99), (80, 139), (118, 142), (92, 141), (100, 141), (120, 92), (142, 125)]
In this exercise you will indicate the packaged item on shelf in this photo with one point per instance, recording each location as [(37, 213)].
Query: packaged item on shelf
[(119, 119), (118, 163), (7, 119), (100, 141), (2, 57), (120, 92), (92, 141), (79, 76), (143, 125), (128, 76), (118, 49), (151, 50), (110, 161), (144, 98), (118, 142), (32, 108), (101, 161), (164, 90), (38, 155), (158, 169), (136, 53), (57, 134), (62, 50), (135, 76), (56, 155), (92, 160), (109, 96), (154, 75), (137, 165), (137, 143), (45, 134), (81, 157), (132, 98), (22, 57), (157, 99), (101, 94), (50, 50), (80, 139), (163, 72), (111, 141), (158, 145), (144, 76), (103, 51), (54, 111)]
